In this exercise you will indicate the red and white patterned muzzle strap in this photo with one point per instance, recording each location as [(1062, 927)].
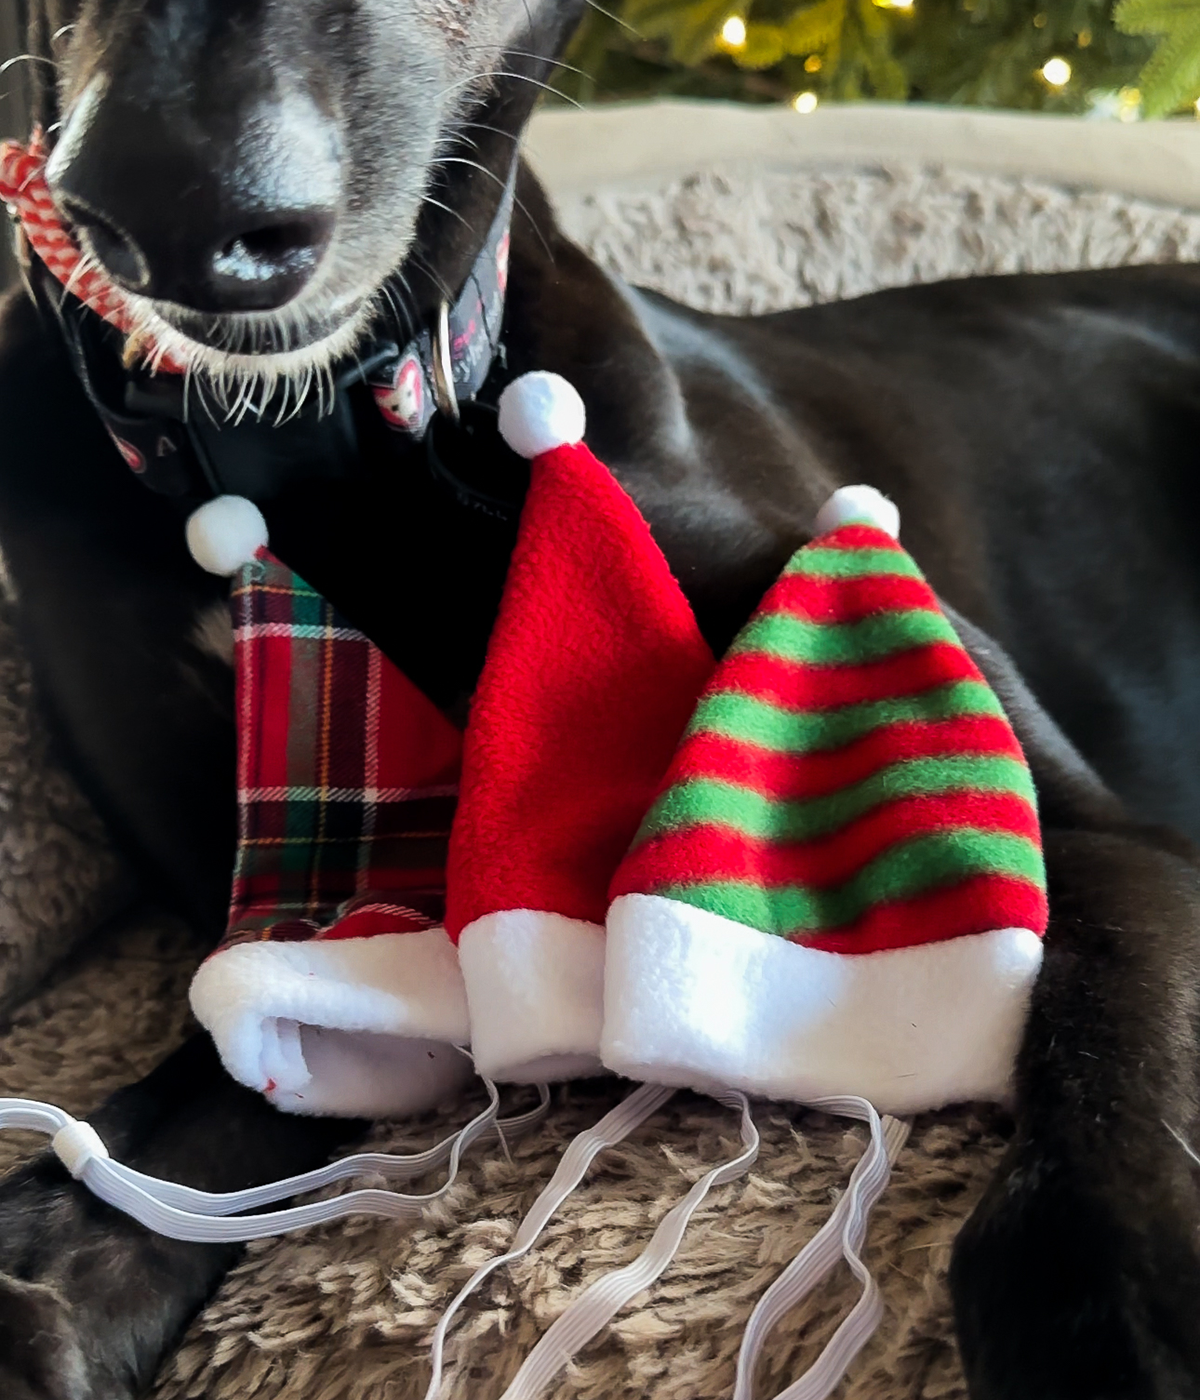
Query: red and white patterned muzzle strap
[(24, 189)]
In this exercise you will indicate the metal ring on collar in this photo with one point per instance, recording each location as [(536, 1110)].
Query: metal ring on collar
[(443, 366)]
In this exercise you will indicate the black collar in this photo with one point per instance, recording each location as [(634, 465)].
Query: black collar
[(180, 450)]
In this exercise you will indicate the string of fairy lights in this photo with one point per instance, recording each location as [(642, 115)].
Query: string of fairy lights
[(1055, 72)]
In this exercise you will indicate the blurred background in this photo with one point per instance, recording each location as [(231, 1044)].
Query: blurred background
[(1110, 59), (1066, 57), (1123, 61)]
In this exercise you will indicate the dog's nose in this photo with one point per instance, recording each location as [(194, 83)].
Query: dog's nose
[(255, 262), (184, 215)]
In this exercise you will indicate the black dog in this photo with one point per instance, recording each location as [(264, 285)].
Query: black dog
[(256, 172)]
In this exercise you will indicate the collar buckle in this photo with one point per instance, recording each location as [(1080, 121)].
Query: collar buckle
[(442, 366)]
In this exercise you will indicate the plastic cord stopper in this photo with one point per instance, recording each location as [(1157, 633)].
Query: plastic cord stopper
[(76, 1144)]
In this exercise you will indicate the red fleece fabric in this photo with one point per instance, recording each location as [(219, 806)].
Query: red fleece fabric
[(593, 671)]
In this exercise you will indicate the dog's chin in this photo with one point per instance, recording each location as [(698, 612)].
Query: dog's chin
[(247, 362), (258, 333)]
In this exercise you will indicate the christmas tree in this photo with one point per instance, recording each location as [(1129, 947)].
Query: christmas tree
[(1141, 57), (1171, 79)]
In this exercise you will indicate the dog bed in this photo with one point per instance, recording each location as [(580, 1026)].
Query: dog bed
[(344, 1312)]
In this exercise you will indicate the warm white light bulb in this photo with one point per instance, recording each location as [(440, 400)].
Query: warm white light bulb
[(733, 31), (805, 102), (1057, 72)]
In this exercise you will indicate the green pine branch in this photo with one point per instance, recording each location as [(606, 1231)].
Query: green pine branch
[(1171, 79), (987, 52), (691, 31), (810, 29)]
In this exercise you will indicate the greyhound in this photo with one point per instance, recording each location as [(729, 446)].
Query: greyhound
[(278, 186)]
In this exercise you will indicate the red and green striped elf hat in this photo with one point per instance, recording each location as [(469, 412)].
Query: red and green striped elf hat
[(840, 888)]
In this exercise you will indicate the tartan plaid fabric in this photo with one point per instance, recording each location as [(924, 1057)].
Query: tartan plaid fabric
[(347, 774)]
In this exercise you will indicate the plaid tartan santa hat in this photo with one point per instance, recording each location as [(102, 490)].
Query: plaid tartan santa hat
[(840, 888), (335, 989)]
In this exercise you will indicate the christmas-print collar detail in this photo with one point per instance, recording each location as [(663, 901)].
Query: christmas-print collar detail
[(151, 427), (405, 384)]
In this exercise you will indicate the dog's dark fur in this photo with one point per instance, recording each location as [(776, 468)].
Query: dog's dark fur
[(1039, 434)]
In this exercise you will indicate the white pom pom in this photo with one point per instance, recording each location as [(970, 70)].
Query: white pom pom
[(225, 533), (540, 411), (862, 504)]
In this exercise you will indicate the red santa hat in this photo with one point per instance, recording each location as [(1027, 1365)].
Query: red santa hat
[(592, 672)]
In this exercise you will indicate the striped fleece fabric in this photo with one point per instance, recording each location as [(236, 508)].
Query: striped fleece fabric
[(840, 888)]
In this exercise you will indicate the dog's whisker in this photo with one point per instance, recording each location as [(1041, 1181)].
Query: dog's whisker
[(520, 204), (558, 67), (528, 15), (541, 57), (392, 308), (85, 265), (437, 204), (616, 18), (427, 269), (506, 73), (243, 360), (495, 130), (456, 140), (491, 174), (242, 402), (474, 165), (26, 58), (354, 355), (1183, 1142)]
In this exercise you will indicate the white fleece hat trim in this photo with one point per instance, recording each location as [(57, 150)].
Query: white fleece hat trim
[(695, 999), (351, 1026), (535, 987)]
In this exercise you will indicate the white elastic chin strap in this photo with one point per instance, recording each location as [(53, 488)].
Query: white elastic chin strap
[(183, 1213)]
